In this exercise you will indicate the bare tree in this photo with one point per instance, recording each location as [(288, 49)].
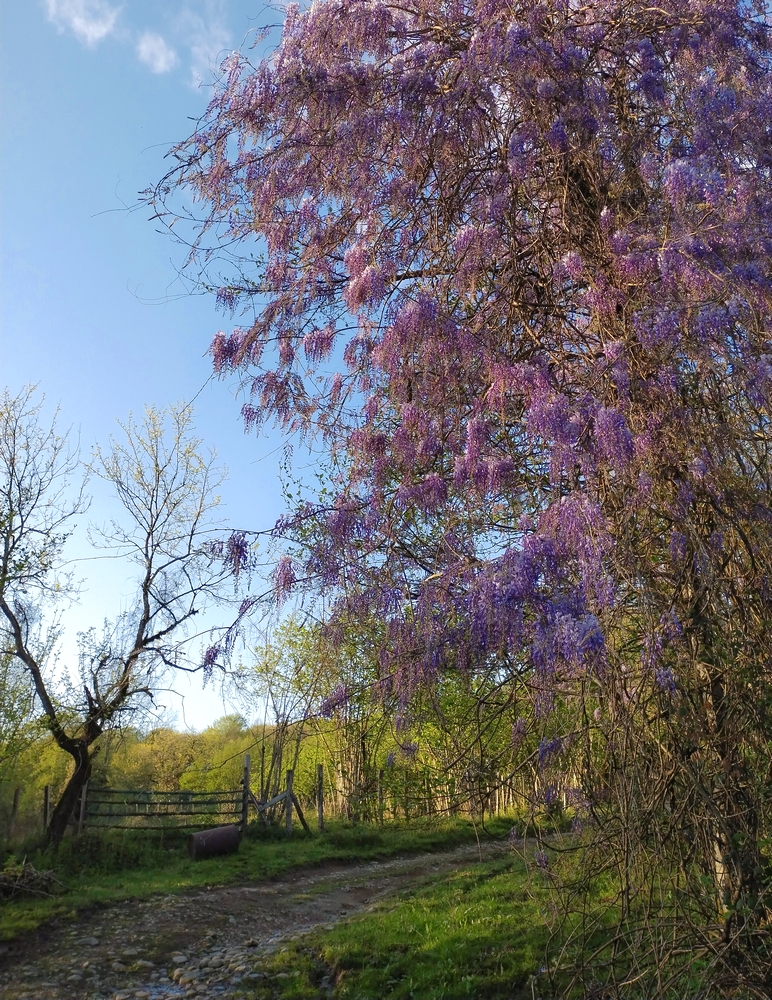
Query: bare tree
[(167, 491)]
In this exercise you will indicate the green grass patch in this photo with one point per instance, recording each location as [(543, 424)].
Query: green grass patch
[(108, 868), (478, 932)]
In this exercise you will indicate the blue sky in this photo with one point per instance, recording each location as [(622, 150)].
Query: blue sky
[(94, 93)]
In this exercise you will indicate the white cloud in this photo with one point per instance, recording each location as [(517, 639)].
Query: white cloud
[(208, 38), (198, 27), (88, 20), (155, 53)]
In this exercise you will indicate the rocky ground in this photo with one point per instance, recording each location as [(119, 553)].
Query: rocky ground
[(203, 944)]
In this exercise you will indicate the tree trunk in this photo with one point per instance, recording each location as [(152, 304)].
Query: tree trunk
[(65, 807), (738, 862)]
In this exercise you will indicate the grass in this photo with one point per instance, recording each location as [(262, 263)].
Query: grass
[(102, 869), (478, 932)]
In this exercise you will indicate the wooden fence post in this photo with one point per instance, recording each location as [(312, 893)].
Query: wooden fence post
[(320, 795), (46, 806), (14, 812), (82, 816), (288, 802), (245, 796)]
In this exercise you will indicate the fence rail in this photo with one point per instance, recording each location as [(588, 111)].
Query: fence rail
[(129, 808)]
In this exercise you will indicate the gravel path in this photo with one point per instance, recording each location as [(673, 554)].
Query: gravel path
[(206, 943)]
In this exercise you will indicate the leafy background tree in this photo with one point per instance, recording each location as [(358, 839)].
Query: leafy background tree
[(16, 716)]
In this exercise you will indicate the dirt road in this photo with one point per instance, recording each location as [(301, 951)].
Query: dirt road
[(205, 944)]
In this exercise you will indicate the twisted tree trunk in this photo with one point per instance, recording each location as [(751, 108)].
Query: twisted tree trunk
[(82, 754)]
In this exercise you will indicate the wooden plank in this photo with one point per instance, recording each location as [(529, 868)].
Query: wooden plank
[(83, 800), (143, 822), (174, 826), (271, 802), (139, 806), (301, 817), (166, 798), (178, 806), (158, 815), (14, 812), (245, 795), (288, 803), (182, 793), (259, 807), (320, 797), (189, 808)]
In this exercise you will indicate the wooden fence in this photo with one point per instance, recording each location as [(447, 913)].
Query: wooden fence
[(383, 794), (131, 809), (409, 793), (141, 809)]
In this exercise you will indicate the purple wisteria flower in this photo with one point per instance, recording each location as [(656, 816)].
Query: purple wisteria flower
[(666, 680), (210, 660), (614, 438), (542, 859), (246, 605), (237, 552), (677, 547), (335, 701), (284, 578), (548, 749), (226, 351)]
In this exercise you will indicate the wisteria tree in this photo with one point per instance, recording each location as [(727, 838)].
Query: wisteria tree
[(511, 260)]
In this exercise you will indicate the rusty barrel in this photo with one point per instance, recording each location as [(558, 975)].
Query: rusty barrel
[(211, 843)]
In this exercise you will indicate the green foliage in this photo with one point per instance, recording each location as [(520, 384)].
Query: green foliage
[(18, 727), (37, 763)]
